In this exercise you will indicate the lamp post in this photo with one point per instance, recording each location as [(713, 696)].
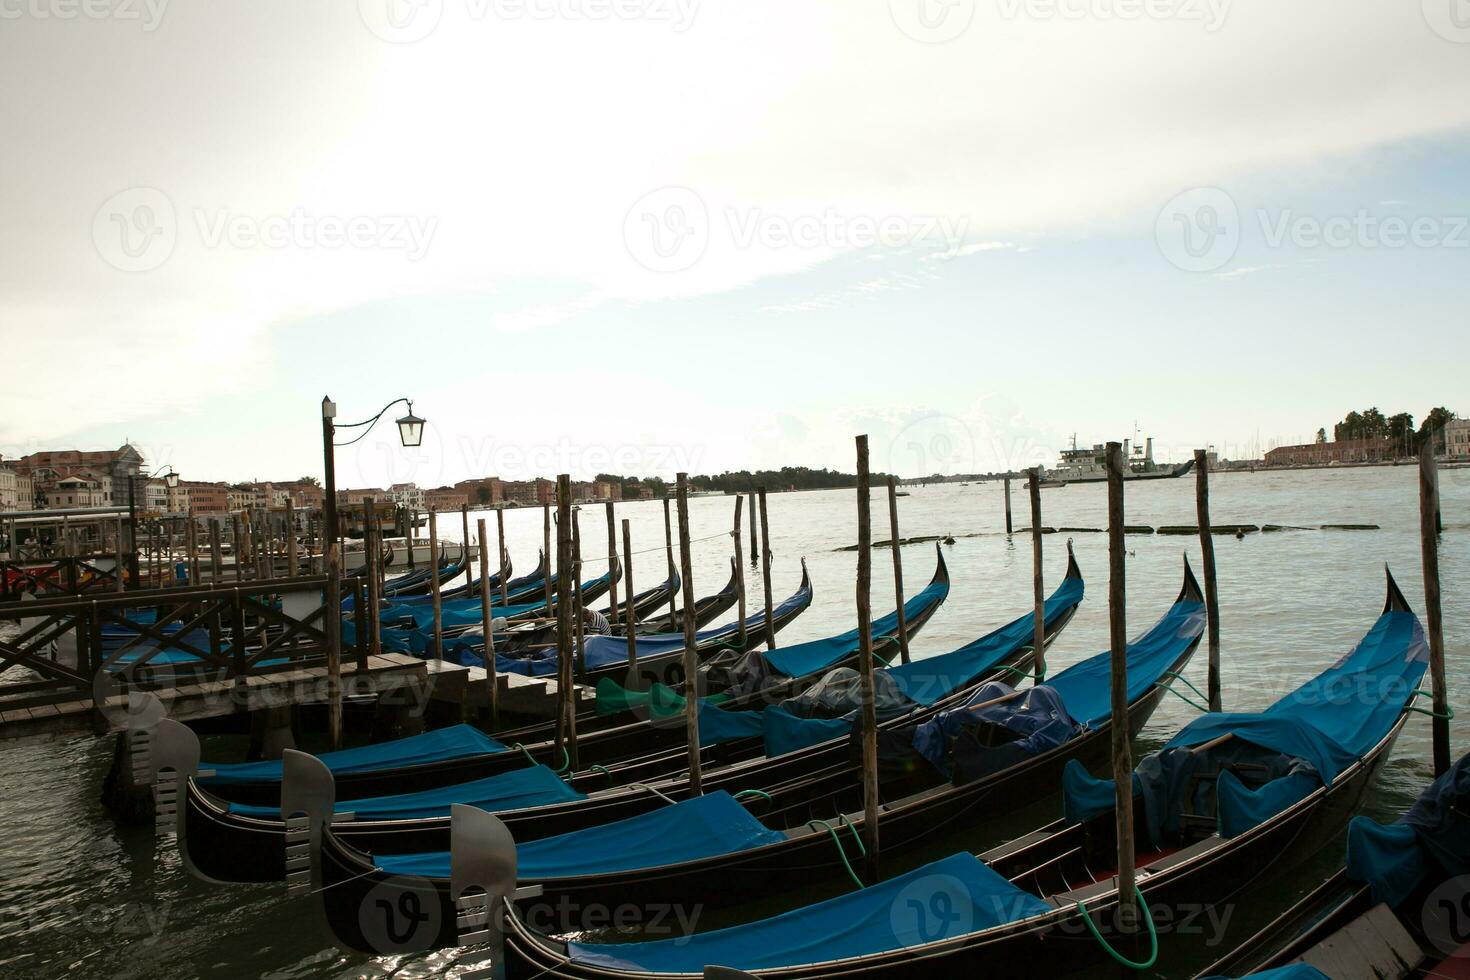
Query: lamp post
[(410, 433), (170, 480)]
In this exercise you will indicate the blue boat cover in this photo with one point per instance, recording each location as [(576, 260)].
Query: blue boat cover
[(441, 745), (466, 612), (785, 732), (930, 680), (1085, 687), (947, 898), (531, 786), (1038, 716), (1432, 838), (815, 656), (701, 827), (1308, 736), (1296, 971)]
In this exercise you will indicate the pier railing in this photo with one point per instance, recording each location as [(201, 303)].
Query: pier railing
[(107, 644), (67, 575)]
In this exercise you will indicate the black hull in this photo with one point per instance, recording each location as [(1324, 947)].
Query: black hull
[(1057, 944)]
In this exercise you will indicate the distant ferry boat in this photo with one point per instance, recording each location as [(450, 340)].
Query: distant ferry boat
[(1090, 465)]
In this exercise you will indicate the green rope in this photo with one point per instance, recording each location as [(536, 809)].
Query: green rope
[(841, 851), (754, 792), (1153, 936), (1183, 697), (1420, 692), (1181, 677), (566, 758), (602, 770), (1017, 671)]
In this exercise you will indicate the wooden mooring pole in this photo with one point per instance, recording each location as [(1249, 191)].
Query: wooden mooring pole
[(216, 553), (739, 571), (691, 655), (903, 621), (579, 611), (630, 626), (612, 561), (546, 548), (435, 597), (1008, 505), (1038, 589), (566, 699), (1207, 559), (504, 554), (766, 570), (469, 568), (293, 557), (669, 555), (754, 546), (492, 696), (865, 663), (373, 547), (1433, 615), (1118, 640)]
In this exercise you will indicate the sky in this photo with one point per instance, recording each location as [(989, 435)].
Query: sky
[(644, 236)]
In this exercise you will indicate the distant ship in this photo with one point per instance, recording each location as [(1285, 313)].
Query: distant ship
[(1090, 465)]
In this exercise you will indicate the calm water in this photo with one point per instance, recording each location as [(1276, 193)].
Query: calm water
[(80, 897)]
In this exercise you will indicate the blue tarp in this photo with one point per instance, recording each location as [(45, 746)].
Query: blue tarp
[(1085, 687), (815, 656), (1320, 728), (786, 732), (465, 612), (441, 745), (1297, 971), (1432, 838), (930, 680), (531, 786), (1037, 715), (950, 897), (704, 826)]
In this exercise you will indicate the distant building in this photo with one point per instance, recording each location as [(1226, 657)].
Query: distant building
[(10, 494), (407, 495), (245, 496), (104, 476), (445, 498), (1457, 439), (1329, 453), (82, 490), (349, 498), (607, 490), (207, 499), (488, 491)]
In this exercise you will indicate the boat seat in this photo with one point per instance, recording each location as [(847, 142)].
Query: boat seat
[(1195, 824)]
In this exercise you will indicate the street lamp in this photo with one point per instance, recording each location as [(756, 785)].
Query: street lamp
[(410, 433)]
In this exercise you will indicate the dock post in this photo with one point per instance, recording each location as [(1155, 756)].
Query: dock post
[(334, 643), (469, 570), (1038, 591), (1207, 559), (503, 552), (739, 571), (374, 546), (691, 655), (865, 663), (578, 611), (237, 543), (754, 545), (1118, 643), (546, 548), (1008, 505), (766, 569), (903, 622), (293, 556), (492, 695), (1433, 615), (434, 592), (630, 625), (669, 553), (410, 524), (216, 554), (566, 713), (191, 538), (612, 559)]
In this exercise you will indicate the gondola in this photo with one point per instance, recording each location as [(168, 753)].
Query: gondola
[(417, 582), (470, 648), (1033, 906), (246, 843), (1395, 910), (706, 610), (517, 590), (456, 754), (711, 850)]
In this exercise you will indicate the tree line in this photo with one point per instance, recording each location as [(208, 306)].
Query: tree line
[(1373, 424), (739, 481)]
